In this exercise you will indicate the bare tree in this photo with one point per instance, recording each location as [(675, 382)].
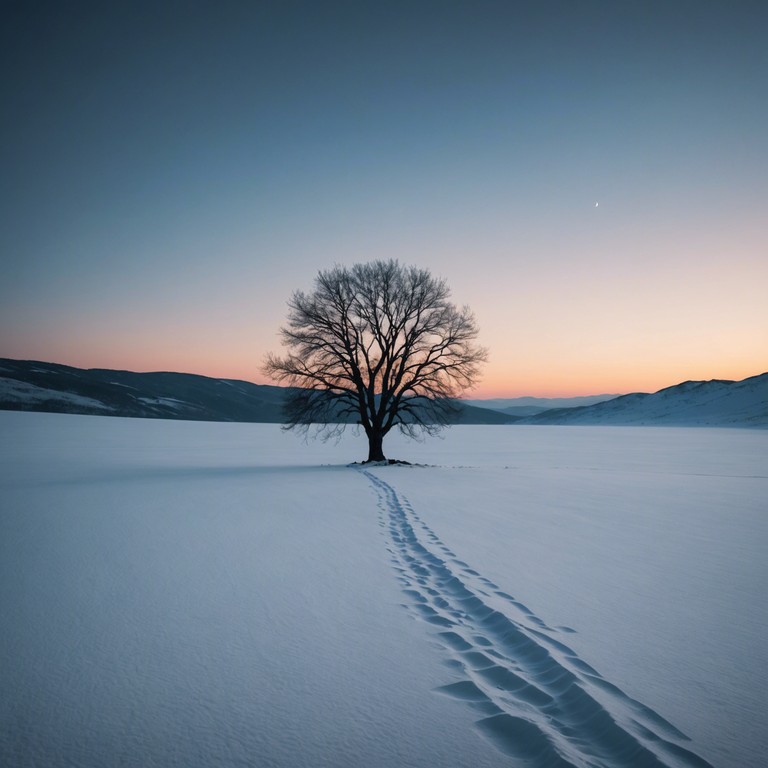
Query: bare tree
[(378, 344)]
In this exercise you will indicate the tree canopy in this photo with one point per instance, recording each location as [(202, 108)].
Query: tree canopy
[(379, 344)]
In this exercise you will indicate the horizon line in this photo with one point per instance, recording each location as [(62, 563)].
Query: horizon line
[(467, 396)]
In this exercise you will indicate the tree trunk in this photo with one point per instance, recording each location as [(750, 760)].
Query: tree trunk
[(375, 446)]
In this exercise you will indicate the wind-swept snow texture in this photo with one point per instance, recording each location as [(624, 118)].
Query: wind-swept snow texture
[(540, 702), (195, 594)]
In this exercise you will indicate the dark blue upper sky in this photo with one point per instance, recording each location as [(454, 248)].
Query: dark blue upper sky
[(172, 171)]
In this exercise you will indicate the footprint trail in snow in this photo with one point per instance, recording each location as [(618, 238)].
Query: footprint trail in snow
[(539, 702)]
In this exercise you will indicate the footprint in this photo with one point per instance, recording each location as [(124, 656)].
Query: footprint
[(535, 691)]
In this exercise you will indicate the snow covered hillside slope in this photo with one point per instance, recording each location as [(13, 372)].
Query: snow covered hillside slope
[(194, 594), (30, 385), (713, 403)]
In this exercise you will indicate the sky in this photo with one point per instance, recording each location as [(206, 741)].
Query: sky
[(590, 177)]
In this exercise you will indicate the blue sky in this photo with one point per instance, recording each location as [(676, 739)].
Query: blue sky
[(173, 171)]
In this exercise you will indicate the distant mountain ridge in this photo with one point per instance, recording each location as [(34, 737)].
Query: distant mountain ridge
[(30, 385), (530, 406), (714, 403)]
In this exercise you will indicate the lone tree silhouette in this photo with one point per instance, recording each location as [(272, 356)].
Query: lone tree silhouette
[(378, 344)]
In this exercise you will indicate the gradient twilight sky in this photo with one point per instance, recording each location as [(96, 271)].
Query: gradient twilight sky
[(172, 172)]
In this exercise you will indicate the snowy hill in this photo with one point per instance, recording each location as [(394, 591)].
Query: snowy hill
[(27, 385), (36, 386), (693, 403)]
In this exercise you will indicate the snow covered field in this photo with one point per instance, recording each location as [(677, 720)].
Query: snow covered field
[(207, 594)]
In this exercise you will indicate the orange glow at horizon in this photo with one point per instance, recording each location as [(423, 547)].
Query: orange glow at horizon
[(607, 382), (499, 382)]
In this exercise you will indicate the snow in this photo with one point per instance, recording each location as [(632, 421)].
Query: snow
[(196, 594), (693, 403), (171, 402), (14, 391)]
